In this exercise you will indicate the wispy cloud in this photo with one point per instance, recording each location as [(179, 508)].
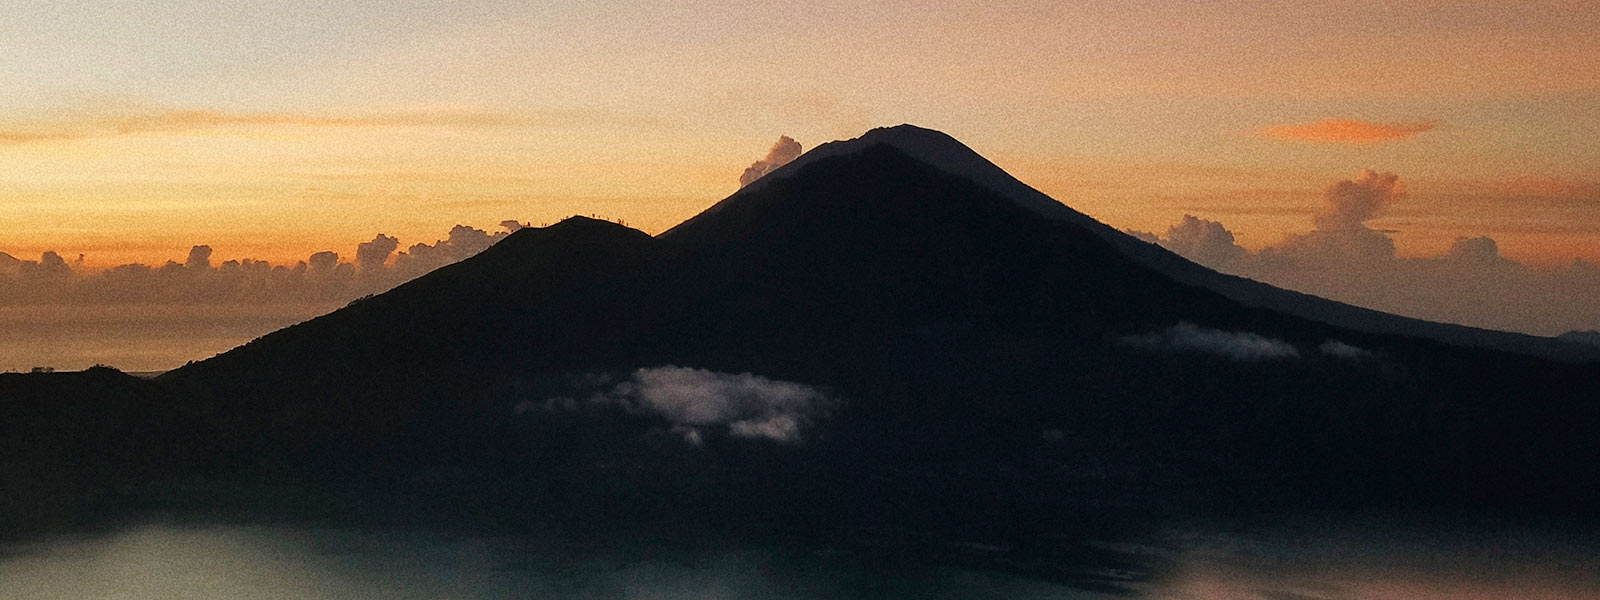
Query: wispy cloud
[(1237, 345), (1346, 131), (104, 125)]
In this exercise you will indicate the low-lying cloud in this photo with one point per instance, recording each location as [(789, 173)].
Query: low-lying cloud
[(694, 400), (323, 277), (1338, 349), (1242, 346), (1344, 258), (782, 153), (1346, 131)]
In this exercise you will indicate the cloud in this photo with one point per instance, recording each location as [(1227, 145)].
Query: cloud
[(115, 124), (371, 257), (782, 152), (324, 261), (693, 400), (1346, 131), (1349, 204), (1205, 242), (1338, 349), (199, 258), (1481, 250), (1236, 345), (322, 278), (1344, 259), (1341, 234)]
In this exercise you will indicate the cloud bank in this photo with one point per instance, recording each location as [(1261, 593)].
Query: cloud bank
[(1343, 258), (1346, 131), (782, 153), (322, 278)]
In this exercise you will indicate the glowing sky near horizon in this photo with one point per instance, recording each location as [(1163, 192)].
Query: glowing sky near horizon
[(130, 131)]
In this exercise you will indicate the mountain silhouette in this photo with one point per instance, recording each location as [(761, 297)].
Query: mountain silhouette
[(946, 153), (945, 300), (995, 365)]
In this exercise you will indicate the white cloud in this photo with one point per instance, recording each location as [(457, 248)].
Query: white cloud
[(1202, 241), (1236, 345), (750, 406), (782, 153), (1338, 349)]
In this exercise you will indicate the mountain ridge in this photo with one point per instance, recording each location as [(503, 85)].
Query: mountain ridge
[(947, 153)]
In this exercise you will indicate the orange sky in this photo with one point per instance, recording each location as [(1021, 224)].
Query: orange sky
[(130, 132)]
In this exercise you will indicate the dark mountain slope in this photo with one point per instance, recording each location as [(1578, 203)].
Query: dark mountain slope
[(946, 153), (965, 334)]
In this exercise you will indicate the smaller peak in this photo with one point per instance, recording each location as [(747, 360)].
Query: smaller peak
[(578, 223), (572, 228), (582, 221)]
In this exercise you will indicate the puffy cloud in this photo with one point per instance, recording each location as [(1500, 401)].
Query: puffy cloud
[(323, 261), (1341, 233), (1349, 204), (782, 153), (1481, 251), (51, 264), (749, 406), (199, 258), (1202, 241), (1344, 259), (1349, 246), (1346, 131), (463, 242), (323, 278), (372, 256), (1236, 345)]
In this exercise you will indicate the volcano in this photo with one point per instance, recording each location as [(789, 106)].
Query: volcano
[(889, 336)]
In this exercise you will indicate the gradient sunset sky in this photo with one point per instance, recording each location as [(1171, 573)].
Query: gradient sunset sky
[(130, 131)]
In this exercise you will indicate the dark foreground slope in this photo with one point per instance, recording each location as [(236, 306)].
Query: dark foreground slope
[(993, 376)]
